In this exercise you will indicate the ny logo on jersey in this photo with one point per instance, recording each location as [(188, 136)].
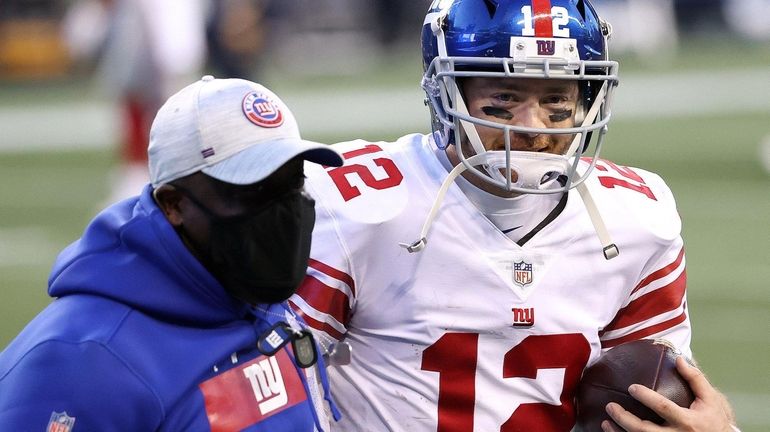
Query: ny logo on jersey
[(523, 317), (267, 383), (522, 273)]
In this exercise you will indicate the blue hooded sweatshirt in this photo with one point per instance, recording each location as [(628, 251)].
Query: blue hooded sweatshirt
[(141, 337)]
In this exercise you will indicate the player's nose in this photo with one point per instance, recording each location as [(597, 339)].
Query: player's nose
[(527, 115)]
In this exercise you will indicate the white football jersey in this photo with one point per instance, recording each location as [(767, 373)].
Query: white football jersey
[(476, 332)]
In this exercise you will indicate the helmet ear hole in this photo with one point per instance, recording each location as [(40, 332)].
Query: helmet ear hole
[(584, 102)]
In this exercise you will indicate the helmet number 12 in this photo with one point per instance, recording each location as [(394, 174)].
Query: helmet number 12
[(559, 18)]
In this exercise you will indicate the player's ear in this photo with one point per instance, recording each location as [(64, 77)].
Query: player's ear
[(168, 198)]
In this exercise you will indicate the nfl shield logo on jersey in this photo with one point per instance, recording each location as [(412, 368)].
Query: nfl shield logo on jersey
[(60, 422), (522, 273)]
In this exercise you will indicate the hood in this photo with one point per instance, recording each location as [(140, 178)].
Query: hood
[(130, 254)]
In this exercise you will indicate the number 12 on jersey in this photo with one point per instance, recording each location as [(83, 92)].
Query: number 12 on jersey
[(339, 176), (454, 356)]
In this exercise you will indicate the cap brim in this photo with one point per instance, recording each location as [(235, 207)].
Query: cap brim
[(257, 162)]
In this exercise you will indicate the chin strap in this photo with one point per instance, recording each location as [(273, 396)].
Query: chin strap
[(589, 118), (419, 245), (609, 248)]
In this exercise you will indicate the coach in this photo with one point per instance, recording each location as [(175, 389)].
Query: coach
[(169, 311)]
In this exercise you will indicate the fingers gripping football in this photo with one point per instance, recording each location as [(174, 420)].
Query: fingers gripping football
[(709, 412)]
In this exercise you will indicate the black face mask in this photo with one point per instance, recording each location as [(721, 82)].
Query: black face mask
[(261, 257)]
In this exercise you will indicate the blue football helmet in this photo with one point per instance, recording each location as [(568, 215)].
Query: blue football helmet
[(544, 39)]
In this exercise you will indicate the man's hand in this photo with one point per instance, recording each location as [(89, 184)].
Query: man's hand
[(710, 412)]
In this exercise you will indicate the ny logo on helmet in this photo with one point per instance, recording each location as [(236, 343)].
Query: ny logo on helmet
[(546, 47)]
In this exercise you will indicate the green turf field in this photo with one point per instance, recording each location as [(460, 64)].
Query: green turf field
[(708, 159)]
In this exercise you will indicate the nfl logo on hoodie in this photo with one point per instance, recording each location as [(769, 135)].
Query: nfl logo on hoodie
[(60, 422)]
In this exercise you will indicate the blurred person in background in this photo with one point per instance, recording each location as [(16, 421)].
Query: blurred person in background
[(236, 32), (534, 256), (170, 311), (403, 18), (749, 18), (699, 16), (645, 28), (148, 51)]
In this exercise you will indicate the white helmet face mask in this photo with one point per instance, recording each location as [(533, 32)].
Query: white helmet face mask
[(557, 54)]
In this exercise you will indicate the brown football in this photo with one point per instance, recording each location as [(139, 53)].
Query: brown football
[(648, 362)]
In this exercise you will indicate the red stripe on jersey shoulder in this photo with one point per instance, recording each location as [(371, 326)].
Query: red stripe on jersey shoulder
[(662, 300), (541, 14), (315, 324), (647, 331), (324, 298), (658, 274), (333, 272)]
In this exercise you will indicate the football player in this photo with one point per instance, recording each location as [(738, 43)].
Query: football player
[(476, 271)]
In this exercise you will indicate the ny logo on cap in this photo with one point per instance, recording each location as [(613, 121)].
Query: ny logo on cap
[(262, 111)]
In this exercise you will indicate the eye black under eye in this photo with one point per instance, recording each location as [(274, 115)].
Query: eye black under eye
[(560, 116), (497, 112)]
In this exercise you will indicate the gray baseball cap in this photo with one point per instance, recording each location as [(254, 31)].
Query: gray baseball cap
[(231, 129)]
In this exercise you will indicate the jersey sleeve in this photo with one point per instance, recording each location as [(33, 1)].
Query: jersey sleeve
[(326, 297), (656, 306), (85, 381), (362, 209)]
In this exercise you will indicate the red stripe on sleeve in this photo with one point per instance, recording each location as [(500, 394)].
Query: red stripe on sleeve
[(665, 271), (541, 13), (654, 303), (333, 272), (640, 334), (324, 298), (314, 323)]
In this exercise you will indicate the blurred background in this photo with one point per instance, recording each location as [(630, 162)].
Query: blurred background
[(80, 80)]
